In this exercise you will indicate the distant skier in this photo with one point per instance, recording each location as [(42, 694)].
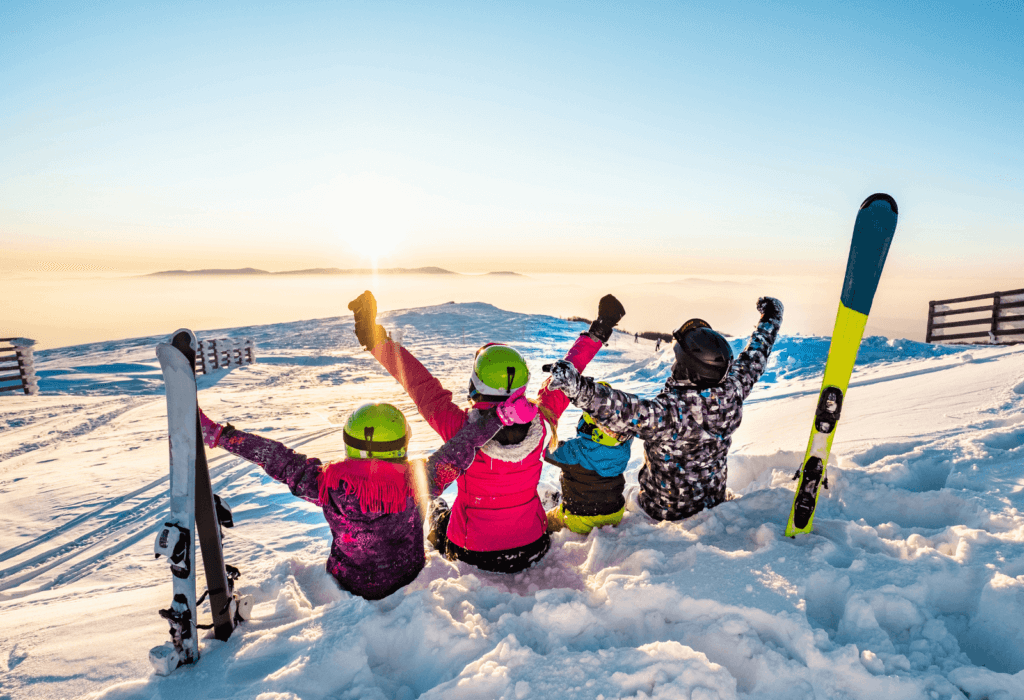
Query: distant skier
[(636, 337), (687, 428), (369, 498), (657, 345), (592, 464), (497, 522)]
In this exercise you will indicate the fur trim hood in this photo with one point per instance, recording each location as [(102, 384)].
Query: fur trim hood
[(520, 451)]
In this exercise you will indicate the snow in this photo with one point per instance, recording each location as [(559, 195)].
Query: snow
[(910, 586)]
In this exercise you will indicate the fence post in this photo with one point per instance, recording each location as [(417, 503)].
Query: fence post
[(995, 317), (931, 322), (225, 353), (26, 365)]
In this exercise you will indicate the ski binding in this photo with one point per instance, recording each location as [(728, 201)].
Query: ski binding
[(172, 542), (170, 655), (807, 492)]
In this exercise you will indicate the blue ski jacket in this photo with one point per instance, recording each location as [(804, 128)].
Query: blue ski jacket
[(592, 481), (605, 460)]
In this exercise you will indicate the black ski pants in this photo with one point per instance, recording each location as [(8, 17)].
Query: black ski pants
[(503, 561)]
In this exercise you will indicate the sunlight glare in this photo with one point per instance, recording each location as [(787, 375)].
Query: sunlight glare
[(375, 214)]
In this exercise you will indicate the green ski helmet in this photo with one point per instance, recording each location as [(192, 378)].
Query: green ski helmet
[(497, 371), (588, 426), (378, 431)]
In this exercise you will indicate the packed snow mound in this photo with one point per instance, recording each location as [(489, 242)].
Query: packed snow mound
[(910, 586), (802, 357)]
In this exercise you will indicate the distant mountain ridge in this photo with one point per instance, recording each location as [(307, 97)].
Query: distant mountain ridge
[(237, 271), (312, 271)]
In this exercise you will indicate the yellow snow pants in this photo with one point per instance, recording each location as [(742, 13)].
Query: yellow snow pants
[(559, 517)]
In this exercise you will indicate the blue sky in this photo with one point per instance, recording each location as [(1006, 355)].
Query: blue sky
[(535, 137)]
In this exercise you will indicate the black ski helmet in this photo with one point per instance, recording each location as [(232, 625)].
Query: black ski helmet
[(703, 355)]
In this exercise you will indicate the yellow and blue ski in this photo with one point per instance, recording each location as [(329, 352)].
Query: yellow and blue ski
[(872, 234)]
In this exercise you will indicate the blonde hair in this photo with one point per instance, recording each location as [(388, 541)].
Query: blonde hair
[(548, 417)]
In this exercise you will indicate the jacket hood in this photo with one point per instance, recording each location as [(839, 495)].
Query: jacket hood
[(606, 460), (519, 451)]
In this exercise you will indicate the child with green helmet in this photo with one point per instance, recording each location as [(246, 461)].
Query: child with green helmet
[(592, 481), (379, 429), (497, 522), (372, 499)]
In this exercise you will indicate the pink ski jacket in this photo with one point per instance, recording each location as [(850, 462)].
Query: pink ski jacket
[(497, 506)]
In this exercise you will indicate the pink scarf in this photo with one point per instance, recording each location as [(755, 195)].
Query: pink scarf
[(380, 486)]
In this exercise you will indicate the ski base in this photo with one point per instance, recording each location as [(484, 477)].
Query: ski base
[(195, 511), (176, 537), (872, 235)]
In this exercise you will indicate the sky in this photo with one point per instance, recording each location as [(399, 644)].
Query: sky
[(584, 137)]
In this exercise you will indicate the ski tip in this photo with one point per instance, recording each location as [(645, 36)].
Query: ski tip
[(880, 197), (184, 340)]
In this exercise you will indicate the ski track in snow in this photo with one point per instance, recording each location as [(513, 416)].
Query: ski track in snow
[(910, 586), (143, 513), (53, 427)]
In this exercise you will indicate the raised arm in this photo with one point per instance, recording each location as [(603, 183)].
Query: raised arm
[(618, 410), (750, 364), (609, 313), (299, 473), (579, 355), (432, 400)]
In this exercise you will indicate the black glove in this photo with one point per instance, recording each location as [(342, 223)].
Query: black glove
[(770, 308), (368, 331), (609, 313), (564, 377)]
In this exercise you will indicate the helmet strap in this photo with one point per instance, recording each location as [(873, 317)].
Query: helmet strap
[(375, 446)]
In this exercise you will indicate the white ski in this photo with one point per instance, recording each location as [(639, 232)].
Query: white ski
[(176, 539)]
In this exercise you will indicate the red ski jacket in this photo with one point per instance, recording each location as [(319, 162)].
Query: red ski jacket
[(497, 506)]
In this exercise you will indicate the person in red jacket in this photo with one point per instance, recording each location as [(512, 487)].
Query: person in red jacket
[(497, 522)]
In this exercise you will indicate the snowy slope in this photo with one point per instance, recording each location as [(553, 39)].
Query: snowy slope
[(911, 586)]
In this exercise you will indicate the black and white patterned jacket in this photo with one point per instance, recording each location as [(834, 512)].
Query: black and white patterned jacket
[(686, 432)]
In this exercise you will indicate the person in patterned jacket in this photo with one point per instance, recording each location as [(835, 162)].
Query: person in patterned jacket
[(687, 428)]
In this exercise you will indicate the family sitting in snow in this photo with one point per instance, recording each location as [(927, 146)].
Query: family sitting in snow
[(495, 450)]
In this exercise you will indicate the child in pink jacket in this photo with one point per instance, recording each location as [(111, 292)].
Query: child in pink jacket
[(497, 521)]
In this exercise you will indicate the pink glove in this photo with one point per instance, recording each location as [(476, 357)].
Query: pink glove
[(517, 408), (211, 430)]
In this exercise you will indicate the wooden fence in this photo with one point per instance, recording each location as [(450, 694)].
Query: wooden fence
[(1000, 321), (224, 353), (17, 371)]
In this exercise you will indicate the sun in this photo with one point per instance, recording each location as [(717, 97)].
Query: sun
[(374, 215), (372, 245)]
